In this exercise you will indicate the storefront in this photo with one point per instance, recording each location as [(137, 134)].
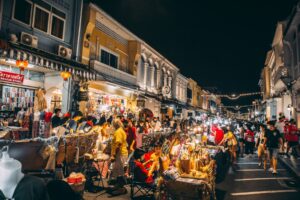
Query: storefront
[(110, 99), (19, 83), (17, 90)]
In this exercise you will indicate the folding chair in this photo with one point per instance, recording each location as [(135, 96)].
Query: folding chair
[(142, 190)]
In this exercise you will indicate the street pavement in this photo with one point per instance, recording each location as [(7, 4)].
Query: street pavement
[(250, 182), (247, 182), (291, 163)]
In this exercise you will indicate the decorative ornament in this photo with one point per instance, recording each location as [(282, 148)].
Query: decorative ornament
[(22, 64), (65, 75)]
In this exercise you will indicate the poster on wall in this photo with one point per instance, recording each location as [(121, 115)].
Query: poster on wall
[(11, 77)]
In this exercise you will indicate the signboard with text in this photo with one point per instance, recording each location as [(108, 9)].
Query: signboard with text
[(11, 77)]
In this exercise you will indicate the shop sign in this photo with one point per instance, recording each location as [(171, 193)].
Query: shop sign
[(11, 77), (140, 103), (83, 96)]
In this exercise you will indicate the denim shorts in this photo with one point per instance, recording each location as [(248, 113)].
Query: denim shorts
[(273, 152)]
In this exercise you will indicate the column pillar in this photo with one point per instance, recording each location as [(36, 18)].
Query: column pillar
[(170, 85), (180, 91), (177, 90), (157, 78), (146, 65), (152, 70), (165, 80)]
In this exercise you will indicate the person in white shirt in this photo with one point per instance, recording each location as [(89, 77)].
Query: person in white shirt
[(157, 125)]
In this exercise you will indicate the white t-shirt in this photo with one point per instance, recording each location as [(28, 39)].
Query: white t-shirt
[(280, 126), (36, 116), (157, 126)]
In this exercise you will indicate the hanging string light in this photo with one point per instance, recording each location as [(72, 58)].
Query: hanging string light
[(237, 107), (237, 96)]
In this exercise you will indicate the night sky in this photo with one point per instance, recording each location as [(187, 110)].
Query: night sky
[(218, 43)]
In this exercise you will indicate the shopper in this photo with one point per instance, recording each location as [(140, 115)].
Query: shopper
[(241, 134), (230, 141), (249, 141), (102, 119), (119, 156), (156, 124), (56, 118), (219, 135), (131, 137), (292, 138), (261, 150), (139, 136), (273, 141)]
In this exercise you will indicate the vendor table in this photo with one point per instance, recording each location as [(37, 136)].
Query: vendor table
[(14, 133), (188, 189)]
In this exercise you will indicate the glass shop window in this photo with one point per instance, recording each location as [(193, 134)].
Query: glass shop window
[(189, 93), (57, 28), (22, 11), (58, 23), (41, 19)]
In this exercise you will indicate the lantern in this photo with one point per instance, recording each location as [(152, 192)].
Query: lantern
[(22, 64), (65, 75)]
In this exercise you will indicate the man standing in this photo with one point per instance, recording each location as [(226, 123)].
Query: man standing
[(119, 155), (273, 140)]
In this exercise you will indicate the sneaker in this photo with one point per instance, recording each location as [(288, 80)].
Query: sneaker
[(259, 164), (274, 172)]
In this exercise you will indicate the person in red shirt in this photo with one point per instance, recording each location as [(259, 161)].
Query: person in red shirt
[(249, 141), (141, 174), (131, 136), (219, 135), (292, 138)]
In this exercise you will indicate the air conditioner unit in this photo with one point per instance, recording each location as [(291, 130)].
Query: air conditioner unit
[(64, 52), (29, 40)]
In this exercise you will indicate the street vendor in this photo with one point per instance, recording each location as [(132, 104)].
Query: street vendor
[(141, 173)]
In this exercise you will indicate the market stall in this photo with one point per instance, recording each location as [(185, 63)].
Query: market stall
[(188, 166)]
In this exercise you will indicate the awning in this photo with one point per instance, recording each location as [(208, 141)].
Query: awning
[(47, 60), (113, 89)]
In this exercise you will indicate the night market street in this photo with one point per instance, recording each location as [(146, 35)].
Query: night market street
[(251, 182), (149, 99)]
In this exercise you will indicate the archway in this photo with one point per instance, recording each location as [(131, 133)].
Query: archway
[(145, 113)]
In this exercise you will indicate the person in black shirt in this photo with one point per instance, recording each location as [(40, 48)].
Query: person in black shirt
[(273, 141), (56, 119)]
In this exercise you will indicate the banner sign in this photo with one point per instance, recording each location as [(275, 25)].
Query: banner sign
[(11, 77)]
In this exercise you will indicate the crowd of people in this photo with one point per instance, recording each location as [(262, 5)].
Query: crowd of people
[(240, 138)]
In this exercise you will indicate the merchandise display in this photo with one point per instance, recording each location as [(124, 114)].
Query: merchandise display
[(13, 97)]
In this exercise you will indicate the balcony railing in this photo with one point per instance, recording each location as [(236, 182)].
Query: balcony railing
[(112, 72)]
